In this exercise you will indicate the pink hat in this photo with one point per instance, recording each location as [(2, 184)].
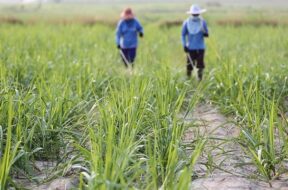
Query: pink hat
[(127, 14)]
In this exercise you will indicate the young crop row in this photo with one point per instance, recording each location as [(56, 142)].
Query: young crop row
[(66, 97), (251, 84)]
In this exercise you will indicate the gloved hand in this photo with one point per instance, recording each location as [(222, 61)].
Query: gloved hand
[(118, 46), (141, 34), (186, 50)]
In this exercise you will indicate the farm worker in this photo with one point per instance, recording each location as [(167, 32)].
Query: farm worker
[(194, 30), (127, 32)]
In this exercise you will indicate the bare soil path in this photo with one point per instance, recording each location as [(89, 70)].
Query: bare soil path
[(221, 164), (219, 167)]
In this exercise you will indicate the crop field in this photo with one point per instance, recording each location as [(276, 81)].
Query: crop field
[(70, 110)]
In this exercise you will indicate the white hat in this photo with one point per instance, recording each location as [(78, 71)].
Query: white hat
[(196, 10)]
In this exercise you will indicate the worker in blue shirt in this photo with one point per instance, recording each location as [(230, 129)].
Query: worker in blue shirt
[(127, 32), (194, 30)]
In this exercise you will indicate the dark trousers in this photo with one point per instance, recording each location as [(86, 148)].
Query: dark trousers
[(196, 58), (130, 55)]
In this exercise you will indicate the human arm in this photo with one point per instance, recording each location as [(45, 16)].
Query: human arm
[(184, 34), (206, 31), (118, 34), (139, 28)]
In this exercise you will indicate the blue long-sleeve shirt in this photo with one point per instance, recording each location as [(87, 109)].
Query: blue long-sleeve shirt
[(193, 31), (127, 33)]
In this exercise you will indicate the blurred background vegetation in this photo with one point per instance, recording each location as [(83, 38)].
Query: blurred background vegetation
[(90, 12)]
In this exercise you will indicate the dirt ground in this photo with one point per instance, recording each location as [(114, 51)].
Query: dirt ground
[(223, 165), (220, 166)]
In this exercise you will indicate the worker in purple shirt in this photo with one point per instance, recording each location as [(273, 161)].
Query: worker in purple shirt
[(194, 31), (127, 32)]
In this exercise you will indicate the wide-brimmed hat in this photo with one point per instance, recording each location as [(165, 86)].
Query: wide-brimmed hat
[(127, 14), (196, 10)]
